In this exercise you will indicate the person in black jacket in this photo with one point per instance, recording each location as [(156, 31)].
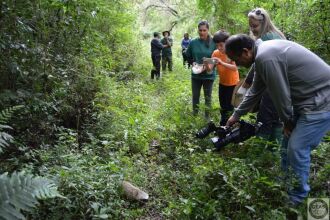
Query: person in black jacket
[(156, 50)]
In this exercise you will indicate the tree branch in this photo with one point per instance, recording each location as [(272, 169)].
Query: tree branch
[(164, 7)]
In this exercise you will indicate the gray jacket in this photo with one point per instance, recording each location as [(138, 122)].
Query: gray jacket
[(298, 81)]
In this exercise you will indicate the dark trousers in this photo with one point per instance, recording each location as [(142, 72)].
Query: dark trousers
[(156, 64), (271, 125), (225, 95), (197, 85), (185, 59), (167, 60)]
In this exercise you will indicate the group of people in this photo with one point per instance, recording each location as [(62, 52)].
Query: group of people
[(161, 51), (289, 85)]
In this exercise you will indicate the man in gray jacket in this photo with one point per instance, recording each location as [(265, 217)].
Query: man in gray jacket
[(298, 82)]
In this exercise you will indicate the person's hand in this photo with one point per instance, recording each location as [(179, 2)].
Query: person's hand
[(288, 128), (205, 63), (232, 120), (219, 61), (204, 69), (216, 60), (207, 68)]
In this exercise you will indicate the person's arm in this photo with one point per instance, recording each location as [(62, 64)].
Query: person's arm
[(163, 42), (231, 66), (276, 78), (158, 44)]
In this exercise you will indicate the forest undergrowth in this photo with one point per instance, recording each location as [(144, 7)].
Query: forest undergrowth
[(183, 176), (79, 114)]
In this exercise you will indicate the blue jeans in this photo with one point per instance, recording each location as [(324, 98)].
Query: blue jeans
[(296, 151)]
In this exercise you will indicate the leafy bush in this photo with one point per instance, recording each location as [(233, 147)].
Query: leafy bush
[(52, 57)]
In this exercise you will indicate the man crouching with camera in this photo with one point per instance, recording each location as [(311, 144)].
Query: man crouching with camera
[(298, 82)]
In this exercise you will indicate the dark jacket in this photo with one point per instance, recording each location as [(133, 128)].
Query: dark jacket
[(167, 50), (156, 47)]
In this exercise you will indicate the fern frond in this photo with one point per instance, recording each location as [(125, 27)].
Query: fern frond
[(10, 213), (5, 127), (21, 191), (43, 188), (7, 113), (5, 139)]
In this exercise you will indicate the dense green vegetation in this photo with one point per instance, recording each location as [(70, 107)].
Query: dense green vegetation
[(79, 114)]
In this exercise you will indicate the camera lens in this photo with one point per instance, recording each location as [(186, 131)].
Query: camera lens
[(206, 131), (232, 136)]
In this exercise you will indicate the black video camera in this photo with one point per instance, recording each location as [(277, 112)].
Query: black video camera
[(226, 135)]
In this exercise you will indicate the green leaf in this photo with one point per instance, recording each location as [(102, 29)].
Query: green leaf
[(250, 208), (20, 192)]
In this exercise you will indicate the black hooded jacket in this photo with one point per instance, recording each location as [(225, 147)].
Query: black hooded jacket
[(156, 47)]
